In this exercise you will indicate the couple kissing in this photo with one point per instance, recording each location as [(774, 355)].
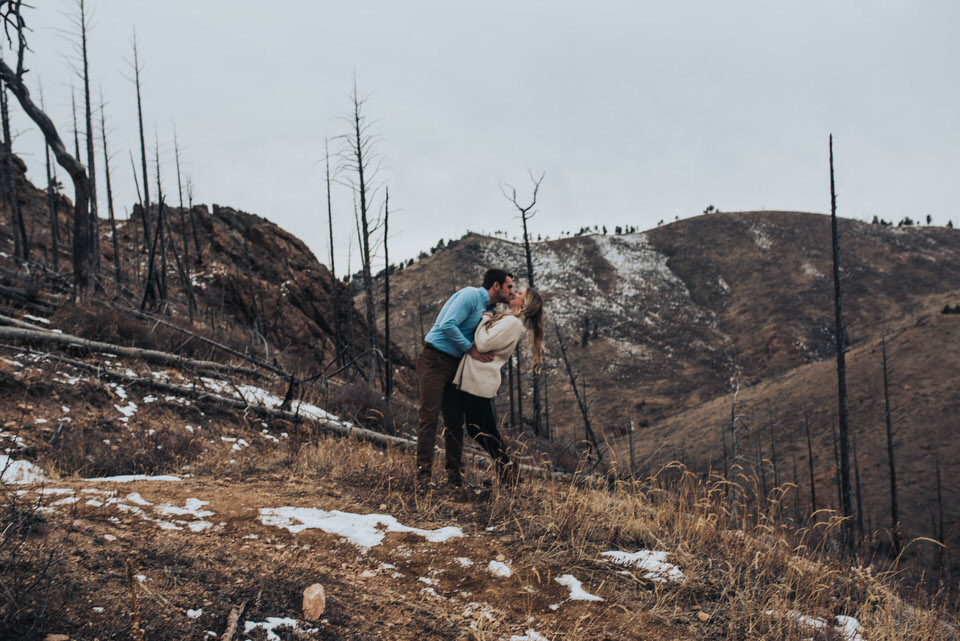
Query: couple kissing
[(458, 371)]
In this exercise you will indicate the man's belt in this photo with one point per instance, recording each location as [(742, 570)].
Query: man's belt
[(437, 350)]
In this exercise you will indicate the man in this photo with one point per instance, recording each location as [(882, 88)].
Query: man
[(448, 340)]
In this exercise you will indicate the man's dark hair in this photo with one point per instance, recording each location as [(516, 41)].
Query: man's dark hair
[(495, 276)]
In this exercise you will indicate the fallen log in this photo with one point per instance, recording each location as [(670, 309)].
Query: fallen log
[(149, 355)]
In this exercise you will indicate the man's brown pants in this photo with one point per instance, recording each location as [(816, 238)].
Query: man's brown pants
[(435, 372)]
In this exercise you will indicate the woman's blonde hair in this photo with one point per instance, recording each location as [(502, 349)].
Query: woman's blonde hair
[(531, 313)]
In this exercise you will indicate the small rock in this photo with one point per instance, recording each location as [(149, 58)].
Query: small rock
[(501, 558), (109, 537), (314, 602), (703, 616), (57, 637), (383, 506)]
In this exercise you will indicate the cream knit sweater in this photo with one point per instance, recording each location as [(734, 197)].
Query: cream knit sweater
[(483, 379)]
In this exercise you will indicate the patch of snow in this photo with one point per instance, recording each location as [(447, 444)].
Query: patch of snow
[(811, 622), (464, 561), (195, 614), (64, 408), (498, 568), (129, 478), (272, 623), (130, 372), (577, 593), (150, 398), (654, 562), (98, 609), (531, 635), (363, 530), (191, 507), (19, 472), (428, 581), (128, 410), (810, 270), (14, 363), (40, 421), (37, 319)]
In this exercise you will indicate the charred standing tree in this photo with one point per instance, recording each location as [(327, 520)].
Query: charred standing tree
[(81, 22), (387, 365), (813, 486), (153, 288), (82, 250), (334, 283), (581, 402), (841, 336), (894, 504), (52, 206), (526, 212), (358, 159), (21, 242), (183, 221), (117, 264)]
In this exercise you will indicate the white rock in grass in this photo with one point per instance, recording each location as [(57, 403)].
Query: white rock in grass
[(577, 593), (314, 602)]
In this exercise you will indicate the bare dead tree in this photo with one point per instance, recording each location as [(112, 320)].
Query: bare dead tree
[(581, 402), (518, 355), (840, 331), (21, 241), (387, 365), (334, 283), (193, 220), (156, 279), (525, 213), (117, 265), (359, 167), (813, 488), (82, 251), (52, 203), (894, 505), (859, 490), (81, 23), (183, 221)]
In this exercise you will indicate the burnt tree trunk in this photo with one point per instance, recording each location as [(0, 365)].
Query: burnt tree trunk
[(894, 504), (387, 365), (813, 487), (91, 158), (334, 284), (117, 265), (21, 242), (840, 331), (581, 402)]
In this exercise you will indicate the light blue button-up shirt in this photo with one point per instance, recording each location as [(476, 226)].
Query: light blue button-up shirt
[(457, 322)]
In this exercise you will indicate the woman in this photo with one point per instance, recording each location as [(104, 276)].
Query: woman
[(479, 381)]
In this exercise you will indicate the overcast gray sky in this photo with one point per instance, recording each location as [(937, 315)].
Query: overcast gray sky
[(636, 111)]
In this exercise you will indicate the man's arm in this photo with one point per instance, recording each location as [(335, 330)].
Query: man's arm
[(458, 312)]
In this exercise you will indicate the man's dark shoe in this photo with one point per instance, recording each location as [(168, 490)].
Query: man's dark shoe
[(456, 480)]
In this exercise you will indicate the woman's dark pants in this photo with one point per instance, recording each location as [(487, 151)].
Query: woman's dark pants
[(482, 426)]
